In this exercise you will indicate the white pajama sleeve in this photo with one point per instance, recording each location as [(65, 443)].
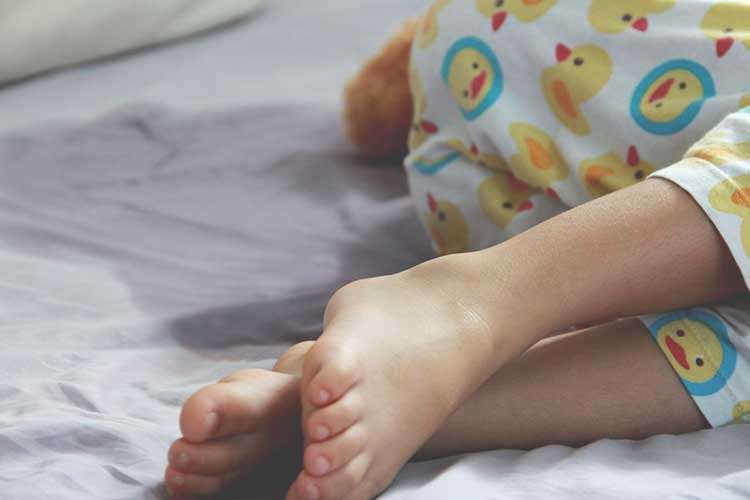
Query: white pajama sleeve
[(716, 173)]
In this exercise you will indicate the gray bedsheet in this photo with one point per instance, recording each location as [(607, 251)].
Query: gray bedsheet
[(149, 252)]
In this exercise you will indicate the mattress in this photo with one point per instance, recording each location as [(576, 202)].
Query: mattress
[(150, 249)]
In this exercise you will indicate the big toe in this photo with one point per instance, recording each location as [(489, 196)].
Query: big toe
[(243, 402), (329, 371)]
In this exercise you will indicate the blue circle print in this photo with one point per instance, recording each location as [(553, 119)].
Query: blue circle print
[(729, 358), (687, 116), (471, 42), (421, 165)]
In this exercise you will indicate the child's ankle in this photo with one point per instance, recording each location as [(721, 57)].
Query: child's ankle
[(486, 299)]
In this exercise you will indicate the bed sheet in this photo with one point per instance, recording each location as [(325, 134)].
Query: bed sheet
[(287, 50), (149, 251)]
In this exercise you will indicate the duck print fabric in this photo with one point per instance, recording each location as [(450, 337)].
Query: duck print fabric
[(526, 109)]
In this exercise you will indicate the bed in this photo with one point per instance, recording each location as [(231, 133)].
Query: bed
[(173, 215)]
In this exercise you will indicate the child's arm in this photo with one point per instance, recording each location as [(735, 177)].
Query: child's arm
[(645, 249)]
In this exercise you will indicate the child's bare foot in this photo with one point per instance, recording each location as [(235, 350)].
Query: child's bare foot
[(397, 356), (231, 427)]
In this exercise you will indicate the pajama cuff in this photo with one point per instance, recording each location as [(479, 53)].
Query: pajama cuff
[(724, 195)]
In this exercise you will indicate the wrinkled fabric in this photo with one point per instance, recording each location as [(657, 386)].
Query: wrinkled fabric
[(149, 253), (146, 253), (38, 35)]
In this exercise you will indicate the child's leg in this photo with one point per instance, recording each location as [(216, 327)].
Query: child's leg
[(610, 381), (401, 353)]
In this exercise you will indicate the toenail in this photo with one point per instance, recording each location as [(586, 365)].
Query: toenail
[(322, 432), (321, 466), (208, 427), (183, 459), (311, 492), (323, 397)]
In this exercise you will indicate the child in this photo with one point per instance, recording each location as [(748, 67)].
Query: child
[(526, 115)]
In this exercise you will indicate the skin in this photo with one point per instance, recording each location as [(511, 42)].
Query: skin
[(418, 360)]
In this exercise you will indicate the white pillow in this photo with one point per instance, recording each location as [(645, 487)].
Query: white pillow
[(36, 35)]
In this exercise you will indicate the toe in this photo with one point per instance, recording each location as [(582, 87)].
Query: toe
[(334, 486), (331, 371), (291, 361), (331, 420), (181, 485), (218, 456), (323, 458), (240, 403)]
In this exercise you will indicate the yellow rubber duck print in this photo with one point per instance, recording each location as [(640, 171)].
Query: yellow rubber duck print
[(447, 225), (616, 16), (714, 138), (719, 153), (697, 346), (474, 154), (421, 129), (741, 412), (745, 101), (580, 74), (428, 29), (726, 23), (473, 74), (670, 97), (502, 197), (609, 172), (732, 196), (525, 11), (538, 161)]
